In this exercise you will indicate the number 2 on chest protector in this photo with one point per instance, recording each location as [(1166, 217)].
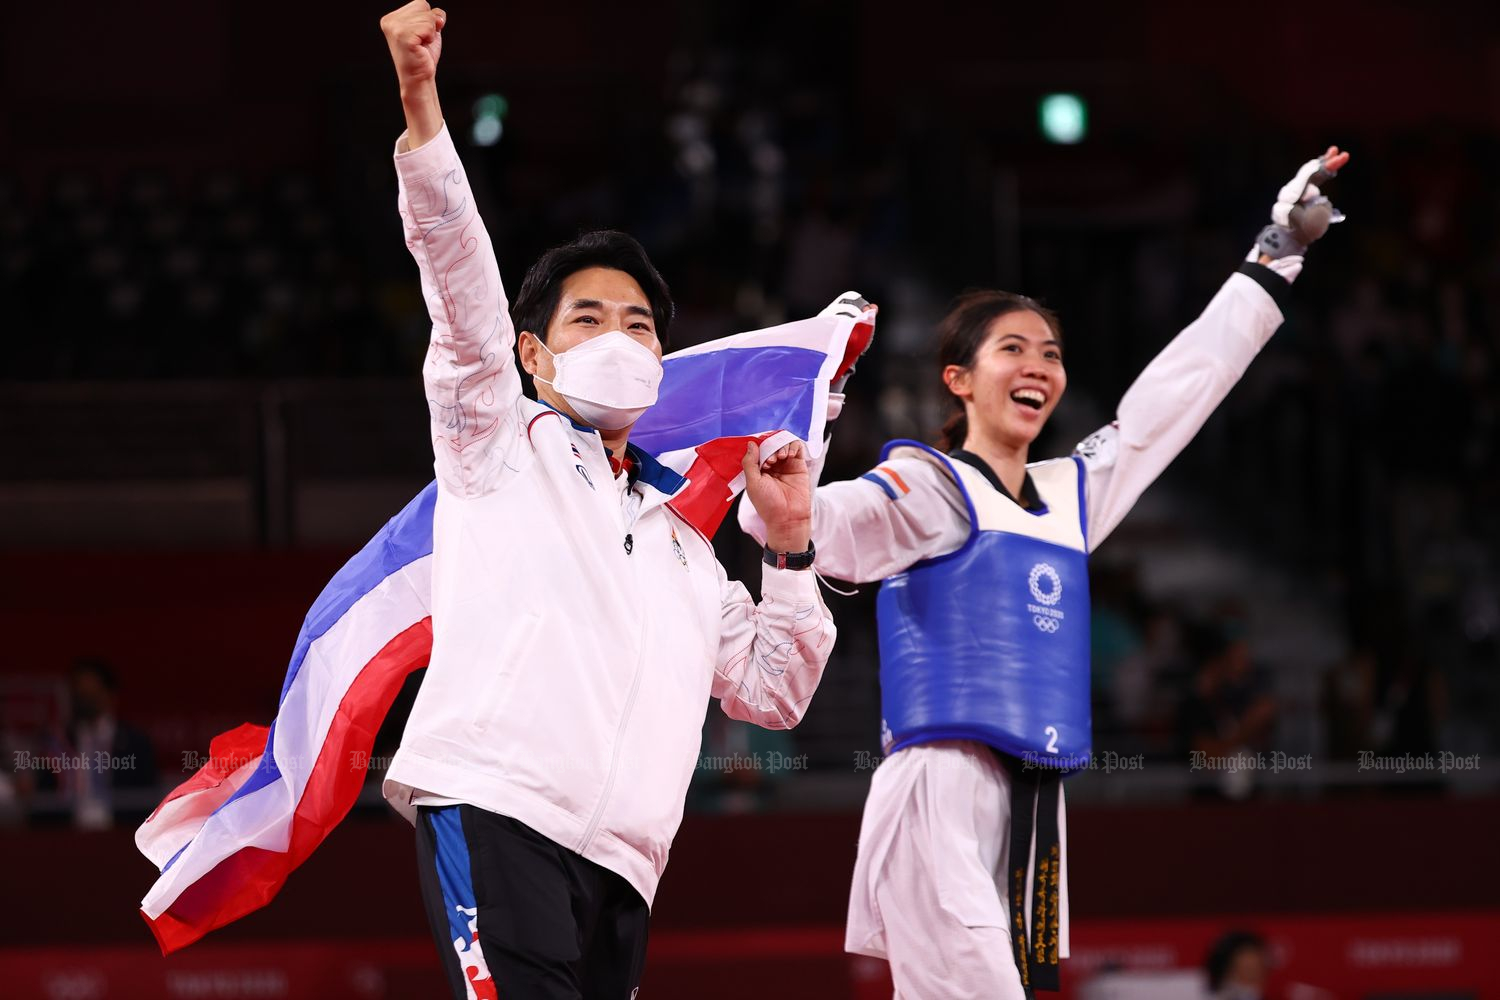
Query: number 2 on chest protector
[(1051, 732)]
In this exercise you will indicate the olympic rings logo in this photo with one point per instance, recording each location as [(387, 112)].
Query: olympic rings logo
[(1050, 597), (1046, 624)]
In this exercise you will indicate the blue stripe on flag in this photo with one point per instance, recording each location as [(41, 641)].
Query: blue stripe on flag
[(758, 389), (405, 538)]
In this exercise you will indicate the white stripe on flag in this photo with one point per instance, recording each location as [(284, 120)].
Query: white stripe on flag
[(177, 822), (263, 818), (820, 333), (827, 335)]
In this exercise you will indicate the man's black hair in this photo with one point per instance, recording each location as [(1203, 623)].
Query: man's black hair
[(537, 300)]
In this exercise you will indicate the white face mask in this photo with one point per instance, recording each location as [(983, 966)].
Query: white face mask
[(609, 380)]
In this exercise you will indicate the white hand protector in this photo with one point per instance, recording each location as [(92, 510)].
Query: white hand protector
[(1303, 190), (835, 405), (851, 304), (1301, 215)]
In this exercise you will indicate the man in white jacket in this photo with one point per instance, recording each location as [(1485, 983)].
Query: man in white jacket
[(580, 624)]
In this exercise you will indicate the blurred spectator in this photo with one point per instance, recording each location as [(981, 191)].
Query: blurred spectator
[(105, 754), (1149, 681), (1348, 704), (1237, 966), (1113, 635), (11, 785), (1229, 710)]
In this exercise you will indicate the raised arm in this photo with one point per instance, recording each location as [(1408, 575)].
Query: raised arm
[(1173, 397), (470, 376)]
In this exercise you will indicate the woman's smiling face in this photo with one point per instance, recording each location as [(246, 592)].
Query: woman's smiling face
[(1014, 381)]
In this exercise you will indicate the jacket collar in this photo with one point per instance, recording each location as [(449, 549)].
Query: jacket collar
[(585, 428), (649, 472)]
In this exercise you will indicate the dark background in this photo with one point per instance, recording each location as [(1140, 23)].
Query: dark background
[(209, 390)]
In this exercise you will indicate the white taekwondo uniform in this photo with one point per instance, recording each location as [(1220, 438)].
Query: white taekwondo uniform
[(929, 888)]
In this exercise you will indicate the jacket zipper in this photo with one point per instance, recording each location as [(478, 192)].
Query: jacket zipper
[(614, 757)]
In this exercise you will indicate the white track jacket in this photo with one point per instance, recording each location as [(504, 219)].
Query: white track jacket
[(569, 677)]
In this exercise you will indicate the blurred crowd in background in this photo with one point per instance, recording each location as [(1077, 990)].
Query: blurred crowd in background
[(1348, 491)]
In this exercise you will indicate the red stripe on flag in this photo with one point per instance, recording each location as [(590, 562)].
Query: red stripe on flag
[(227, 753), (250, 878), (706, 500), (708, 497)]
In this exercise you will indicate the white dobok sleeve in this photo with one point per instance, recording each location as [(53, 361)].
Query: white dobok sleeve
[(1172, 398)]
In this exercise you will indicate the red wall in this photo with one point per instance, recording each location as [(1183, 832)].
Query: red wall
[(200, 641), (1125, 863), (1351, 895)]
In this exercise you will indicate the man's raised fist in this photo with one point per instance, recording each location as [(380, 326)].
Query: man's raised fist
[(415, 35)]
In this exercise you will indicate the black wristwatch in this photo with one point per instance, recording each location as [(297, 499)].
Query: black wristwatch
[(790, 560)]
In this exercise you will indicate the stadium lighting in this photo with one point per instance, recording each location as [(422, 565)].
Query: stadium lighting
[(486, 132), (488, 112), (1064, 118)]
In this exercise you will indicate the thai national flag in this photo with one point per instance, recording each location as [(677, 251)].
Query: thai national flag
[(227, 838)]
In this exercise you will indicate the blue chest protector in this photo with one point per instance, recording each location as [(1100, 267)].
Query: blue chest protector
[(991, 642)]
